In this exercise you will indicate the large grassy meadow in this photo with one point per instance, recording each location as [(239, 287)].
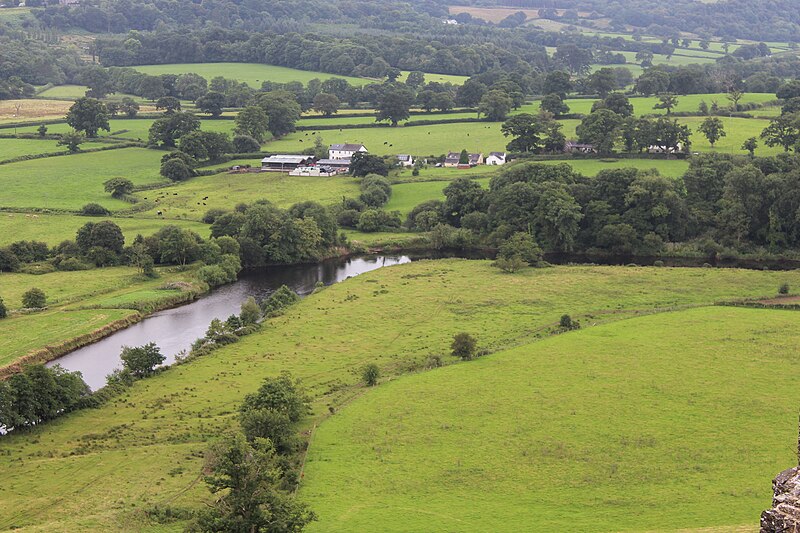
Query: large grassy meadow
[(53, 229), (102, 468), (71, 181), (657, 423), (252, 74)]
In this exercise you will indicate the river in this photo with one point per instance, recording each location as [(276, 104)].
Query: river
[(174, 330)]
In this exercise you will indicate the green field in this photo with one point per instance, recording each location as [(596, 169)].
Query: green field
[(53, 229), (69, 182), (557, 433), (109, 290), (439, 78), (224, 191), (251, 73), (136, 128), (11, 148), (102, 468)]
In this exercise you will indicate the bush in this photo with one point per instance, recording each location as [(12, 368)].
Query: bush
[(34, 299), (463, 346), (141, 361), (211, 215), (3, 309), (566, 323), (510, 265), (245, 144), (370, 375), (521, 246), (9, 262), (251, 313), (176, 170), (373, 220), (94, 210), (72, 264), (278, 301), (214, 275), (348, 218), (783, 289), (434, 361)]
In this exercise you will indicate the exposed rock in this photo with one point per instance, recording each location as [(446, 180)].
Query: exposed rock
[(784, 516)]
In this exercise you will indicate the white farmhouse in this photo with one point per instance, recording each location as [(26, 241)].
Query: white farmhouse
[(405, 160), (496, 158), (345, 151)]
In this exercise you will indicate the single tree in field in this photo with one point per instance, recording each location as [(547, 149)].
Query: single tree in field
[(212, 103), (169, 104), (783, 131), (495, 105), (713, 129), (750, 145), (141, 361), (34, 299), (667, 101), (42, 130), (370, 375), (129, 107), (464, 346), (282, 109), (552, 103), (527, 131), (88, 115), (118, 187), (72, 140), (327, 104), (600, 129), (254, 122), (734, 95), (394, 104)]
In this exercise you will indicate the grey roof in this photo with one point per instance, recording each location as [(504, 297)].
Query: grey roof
[(404, 157), (453, 155), (348, 147), (501, 155), (474, 157), (289, 159), (336, 162)]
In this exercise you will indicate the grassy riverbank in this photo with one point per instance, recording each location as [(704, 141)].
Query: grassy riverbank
[(104, 468)]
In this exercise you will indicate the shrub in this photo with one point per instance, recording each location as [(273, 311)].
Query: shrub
[(176, 170), (251, 313), (245, 144), (118, 187), (373, 220), (214, 275), (34, 299), (94, 210), (141, 361), (463, 346), (566, 323), (434, 361), (521, 246), (370, 375), (211, 215), (348, 218), (278, 301), (510, 265), (9, 262), (72, 264), (3, 309), (658, 263), (783, 289)]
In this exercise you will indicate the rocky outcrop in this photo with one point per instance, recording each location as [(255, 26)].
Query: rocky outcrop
[(784, 516)]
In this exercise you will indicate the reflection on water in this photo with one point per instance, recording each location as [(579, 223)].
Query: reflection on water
[(174, 330)]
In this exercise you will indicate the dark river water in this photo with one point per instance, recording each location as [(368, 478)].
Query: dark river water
[(174, 330)]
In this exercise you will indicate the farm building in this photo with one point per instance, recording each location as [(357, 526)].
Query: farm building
[(345, 151), (337, 164), (573, 147), (285, 163), (661, 149), (496, 158), (314, 171), (452, 160), (405, 160)]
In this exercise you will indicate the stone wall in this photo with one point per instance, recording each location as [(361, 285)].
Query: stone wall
[(784, 516)]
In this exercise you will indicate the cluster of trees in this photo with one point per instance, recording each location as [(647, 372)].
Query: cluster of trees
[(38, 394), (364, 213), (252, 473), (269, 235), (733, 201)]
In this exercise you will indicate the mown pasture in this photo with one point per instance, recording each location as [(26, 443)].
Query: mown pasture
[(135, 128), (78, 303), (71, 181), (103, 468), (12, 148), (556, 433), (53, 229), (253, 74), (224, 191)]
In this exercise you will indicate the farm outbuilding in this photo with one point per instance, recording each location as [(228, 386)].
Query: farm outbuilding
[(285, 163)]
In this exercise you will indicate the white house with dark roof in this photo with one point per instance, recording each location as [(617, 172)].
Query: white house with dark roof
[(345, 151), (405, 160), (496, 158)]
